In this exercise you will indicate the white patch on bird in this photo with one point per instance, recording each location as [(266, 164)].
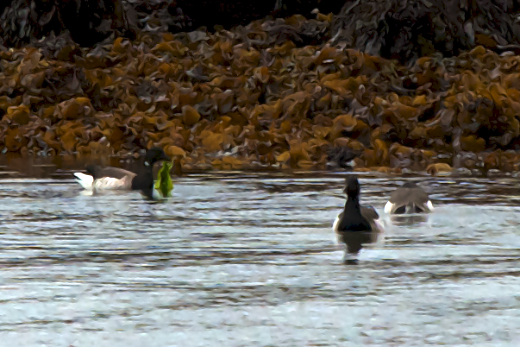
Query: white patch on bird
[(388, 207), (335, 226), (430, 205), (84, 180), (109, 183), (156, 194), (146, 163)]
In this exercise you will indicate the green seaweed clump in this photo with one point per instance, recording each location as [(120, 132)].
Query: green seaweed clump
[(164, 184)]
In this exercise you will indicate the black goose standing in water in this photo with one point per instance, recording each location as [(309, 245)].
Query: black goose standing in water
[(407, 199), (113, 178), (356, 225)]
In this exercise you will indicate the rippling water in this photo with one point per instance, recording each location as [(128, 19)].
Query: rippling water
[(250, 260)]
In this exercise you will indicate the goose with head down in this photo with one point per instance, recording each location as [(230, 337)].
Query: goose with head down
[(408, 199)]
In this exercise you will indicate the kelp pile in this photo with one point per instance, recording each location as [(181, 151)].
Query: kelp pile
[(86, 21), (267, 95), (410, 29)]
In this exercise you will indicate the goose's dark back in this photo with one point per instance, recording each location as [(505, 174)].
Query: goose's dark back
[(409, 194), (369, 213)]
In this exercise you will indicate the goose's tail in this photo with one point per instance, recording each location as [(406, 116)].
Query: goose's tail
[(86, 181)]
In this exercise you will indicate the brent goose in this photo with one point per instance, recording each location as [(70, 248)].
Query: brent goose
[(113, 178), (356, 225), (407, 199)]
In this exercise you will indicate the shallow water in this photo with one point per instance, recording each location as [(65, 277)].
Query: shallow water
[(250, 260)]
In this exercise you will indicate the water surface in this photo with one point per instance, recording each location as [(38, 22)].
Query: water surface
[(250, 260)]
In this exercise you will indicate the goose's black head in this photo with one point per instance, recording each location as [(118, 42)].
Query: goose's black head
[(153, 155), (91, 170), (352, 187)]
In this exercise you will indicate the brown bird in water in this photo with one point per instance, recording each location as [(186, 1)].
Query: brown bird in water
[(409, 198)]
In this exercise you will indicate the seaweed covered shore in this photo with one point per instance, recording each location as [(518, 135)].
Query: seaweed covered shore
[(298, 92)]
